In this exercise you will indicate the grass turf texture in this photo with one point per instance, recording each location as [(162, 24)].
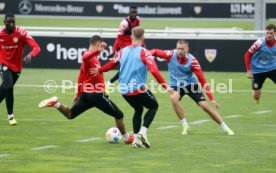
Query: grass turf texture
[(206, 149), (148, 24)]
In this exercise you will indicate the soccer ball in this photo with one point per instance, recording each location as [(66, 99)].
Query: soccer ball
[(113, 135)]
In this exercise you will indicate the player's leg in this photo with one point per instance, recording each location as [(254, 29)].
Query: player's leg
[(115, 77), (134, 102), (196, 94), (215, 116), (175, 100), (9, 78), (257, 84), (272, 75), (2, 89), (110, 108), (109, 84), (149, 101), (79, 107)]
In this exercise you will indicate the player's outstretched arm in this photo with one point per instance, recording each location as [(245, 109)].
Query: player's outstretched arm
[(33, 44), (147, 59), (108, 66), (164, 54)]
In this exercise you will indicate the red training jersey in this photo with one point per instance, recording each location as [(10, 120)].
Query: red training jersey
[(124, 33), (12, 47), (195, 68), (86, 82)]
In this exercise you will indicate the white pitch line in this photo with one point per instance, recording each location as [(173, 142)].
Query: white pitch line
[(166, 127), (44, 147), (88, 140), (232, 116), (3, 155), (42, 86), (200, 122), (158, 122), (246, 91), (262, 112), (42, 120)]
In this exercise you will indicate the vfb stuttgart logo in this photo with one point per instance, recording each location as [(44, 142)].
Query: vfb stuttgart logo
[(210, 54)]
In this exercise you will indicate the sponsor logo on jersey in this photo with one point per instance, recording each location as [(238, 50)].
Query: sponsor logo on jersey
[(99, 8), (210, 54), (15, 39), (5, 68)]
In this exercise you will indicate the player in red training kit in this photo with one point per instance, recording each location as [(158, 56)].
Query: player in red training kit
[(260, 61), (91, 91), (124, 36), (12, 43), (184, 73)]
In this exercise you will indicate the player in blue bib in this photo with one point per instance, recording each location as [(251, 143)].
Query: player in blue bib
[(260, 60)]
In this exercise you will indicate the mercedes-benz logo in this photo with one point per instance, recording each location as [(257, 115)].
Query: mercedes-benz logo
[(25, 7)]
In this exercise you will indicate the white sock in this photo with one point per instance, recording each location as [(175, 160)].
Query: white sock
[(143, 131), (135, 138), (57, 105), (224, 126), (126, 136), (10, 116), (184, 122), (108, 83)]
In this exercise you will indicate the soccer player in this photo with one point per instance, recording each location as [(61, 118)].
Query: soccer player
[(184, 73), (260, 61), (91, 91), (124, 36), (12, 43), (134, 63)]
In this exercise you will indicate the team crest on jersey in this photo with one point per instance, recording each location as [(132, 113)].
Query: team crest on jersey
[(99, 8), (5, 68), (15, 39), (210, 54)]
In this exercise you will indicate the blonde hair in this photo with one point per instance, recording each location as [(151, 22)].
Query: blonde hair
[(182, 42), (138, 32)]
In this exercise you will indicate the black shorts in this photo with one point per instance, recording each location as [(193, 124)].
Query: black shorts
[(145, 99), (259, 79), (193, 91), (8, 76), (98, 100)]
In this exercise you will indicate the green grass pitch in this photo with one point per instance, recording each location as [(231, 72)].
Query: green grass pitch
[(147, 24), (206, 149)]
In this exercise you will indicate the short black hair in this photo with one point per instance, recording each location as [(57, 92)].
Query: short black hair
[(271, 26), (96, 38), (9, 15), (133, 7)]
